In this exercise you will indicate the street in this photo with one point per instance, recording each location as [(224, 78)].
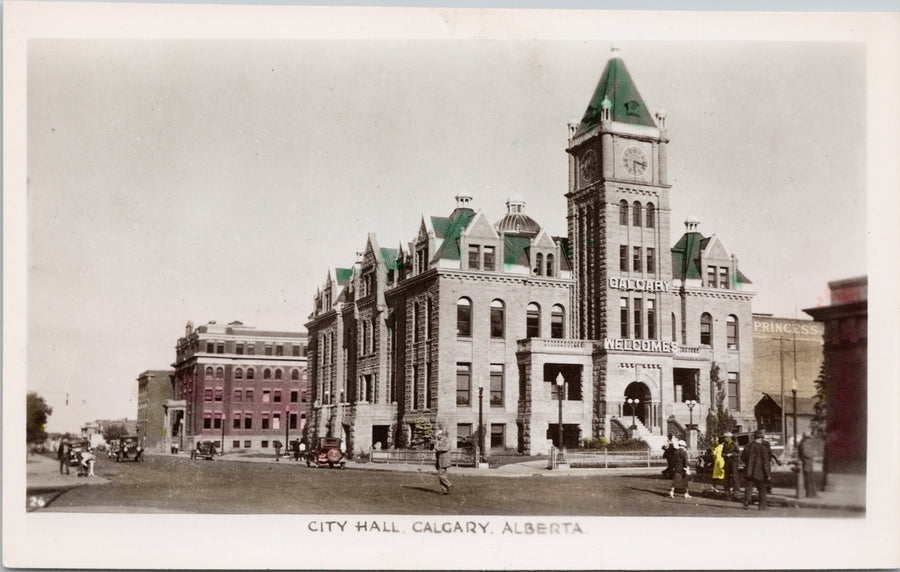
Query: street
[(178, 484)]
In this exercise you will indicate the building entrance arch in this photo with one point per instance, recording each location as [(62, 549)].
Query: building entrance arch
[(639, 391)]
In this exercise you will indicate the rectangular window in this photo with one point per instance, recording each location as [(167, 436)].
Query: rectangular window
[(238, 394), (239, 348), (279, 350), (304, 397), (651, 319), (217, 422), (248, 395), (474, 255), (264, 444), (236, 421), (276, 396), (248, 421), (268, 350), (415, 322), (711, 276), (265, 421), (208, 394), (295, 351), (651, 260), (723, 277), (636, 258), (207, 421), (210, 347), (266, 396), (623, 317), (276, 421), (251, 349), (496, 385), (463, 384), (220, 348), (463, 434), (292, 421), (415, 386), (623, 258), (235, 444), (734, 388), (638, 319), (489, 258), (294, 395), (247, 444), (219, 394), (497, 433)]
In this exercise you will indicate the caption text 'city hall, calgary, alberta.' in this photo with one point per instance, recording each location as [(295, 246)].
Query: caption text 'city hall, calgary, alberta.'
[(475, 313)]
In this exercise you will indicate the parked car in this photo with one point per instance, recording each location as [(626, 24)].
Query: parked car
[(112, 448), (204, 450), (327, 453), (75, 448), (130, 449)]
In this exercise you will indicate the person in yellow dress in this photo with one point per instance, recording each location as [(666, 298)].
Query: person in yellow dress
[(718, 464)]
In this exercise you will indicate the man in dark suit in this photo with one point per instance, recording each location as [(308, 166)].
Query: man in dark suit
[(757, 472), (442, 459)]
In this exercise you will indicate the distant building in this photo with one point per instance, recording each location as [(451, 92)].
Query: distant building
[(785, 349), (95, 430), (846, 369), (235, 382), (155, 389), (472, 322)]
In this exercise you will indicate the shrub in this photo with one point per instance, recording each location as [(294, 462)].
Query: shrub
[(595, 442), (627, 445)]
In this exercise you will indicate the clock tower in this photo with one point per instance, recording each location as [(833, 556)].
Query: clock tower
[(618, 214)]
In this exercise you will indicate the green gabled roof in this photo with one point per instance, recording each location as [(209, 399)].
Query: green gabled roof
[(627, 106), (390, 257), (449, 229), (686, 256), (515, 250), (343, 275)]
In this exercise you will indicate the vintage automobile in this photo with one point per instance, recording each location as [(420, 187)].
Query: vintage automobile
[(112, 448), (327, 453), (129, 449), (204, 450)]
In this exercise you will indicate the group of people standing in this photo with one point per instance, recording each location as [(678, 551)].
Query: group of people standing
[(84, 459)]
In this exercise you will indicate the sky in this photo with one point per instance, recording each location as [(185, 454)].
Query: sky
[(180, 180)]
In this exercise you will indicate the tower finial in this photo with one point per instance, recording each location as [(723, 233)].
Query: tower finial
[(615, 52)]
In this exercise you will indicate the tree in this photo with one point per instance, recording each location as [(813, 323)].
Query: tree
[(114, 431), (37, 412), (818, 424), (423, 432), (718, 419)]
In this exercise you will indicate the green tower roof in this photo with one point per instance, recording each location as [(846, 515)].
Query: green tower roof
[(626, 105)]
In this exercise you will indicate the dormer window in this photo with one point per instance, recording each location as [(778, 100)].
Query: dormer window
[(474, 257), (539, 264), (489, 258), (550, 268)]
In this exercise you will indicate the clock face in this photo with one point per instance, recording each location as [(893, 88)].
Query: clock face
[(635, 161), (589, 166)]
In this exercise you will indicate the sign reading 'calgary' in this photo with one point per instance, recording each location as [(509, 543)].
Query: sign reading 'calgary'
[(640, 285)]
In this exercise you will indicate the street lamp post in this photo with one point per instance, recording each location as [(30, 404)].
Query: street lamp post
[(560, 383), (690, 405), (692, 429), (287, 425), (481, 422), (794, 408), (633, 403)]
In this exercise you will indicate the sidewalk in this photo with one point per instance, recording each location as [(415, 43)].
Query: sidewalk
[(43, 481)]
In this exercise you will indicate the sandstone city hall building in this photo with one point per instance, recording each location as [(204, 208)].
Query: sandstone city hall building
[(476, 314)]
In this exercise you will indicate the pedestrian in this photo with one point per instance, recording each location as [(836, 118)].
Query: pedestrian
[(731, 453), (680, 470), (718, 464), (771, 457), (277, 450), (757, 471), (295, 449), (87, 463), (805, 451), (442, 459), (668, 451), (62, 453)]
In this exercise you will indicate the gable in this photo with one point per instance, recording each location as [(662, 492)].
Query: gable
[(479, 227), (715, 250), (543, 240)]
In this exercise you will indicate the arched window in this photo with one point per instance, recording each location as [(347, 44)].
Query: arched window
[(651, 215), (498, 319), (278, 374), (636, 215), (539, 264), (250, 373), (464, 318), (295, 375), (706, 330), (220, 372), (209, 371), (533, 321), (549, 265), (623, 212), (267, 373), (238, 373), (732, 332), (557, 322)]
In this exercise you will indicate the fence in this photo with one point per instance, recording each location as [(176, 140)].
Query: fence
[(459, 458), (606, 459)]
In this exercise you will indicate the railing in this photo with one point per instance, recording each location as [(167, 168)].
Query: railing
[(458, 458), (606, 459)]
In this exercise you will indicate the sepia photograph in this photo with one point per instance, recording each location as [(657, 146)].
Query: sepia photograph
[(304, 287)]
